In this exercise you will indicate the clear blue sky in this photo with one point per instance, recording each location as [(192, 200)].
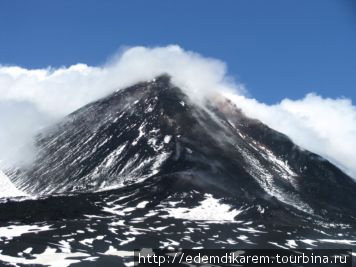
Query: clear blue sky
[(278, 48)]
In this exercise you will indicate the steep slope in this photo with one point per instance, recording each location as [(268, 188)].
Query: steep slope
[(116, 139)]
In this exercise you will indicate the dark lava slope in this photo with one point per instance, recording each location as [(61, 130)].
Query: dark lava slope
[(148, 167)]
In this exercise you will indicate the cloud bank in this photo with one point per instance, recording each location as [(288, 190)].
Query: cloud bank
[(31, 99), (322, 125)]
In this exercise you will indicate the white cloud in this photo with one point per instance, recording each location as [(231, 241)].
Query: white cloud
[(30, 99), (60, 91), (322, 125)]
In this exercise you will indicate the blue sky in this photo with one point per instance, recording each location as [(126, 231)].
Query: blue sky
[(277, 48)]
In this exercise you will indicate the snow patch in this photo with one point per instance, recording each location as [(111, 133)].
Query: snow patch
[(140, 134), (9, 232), (142, 204), (50, 257), (120, 253), (210, 209), (167, 139)]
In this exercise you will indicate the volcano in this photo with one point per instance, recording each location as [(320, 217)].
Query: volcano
[(150, 167)]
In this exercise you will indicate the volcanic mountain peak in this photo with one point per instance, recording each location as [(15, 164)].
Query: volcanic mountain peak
[(178, 172), (153, 129)]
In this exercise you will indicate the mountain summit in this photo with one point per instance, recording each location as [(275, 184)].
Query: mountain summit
[(148, 157)]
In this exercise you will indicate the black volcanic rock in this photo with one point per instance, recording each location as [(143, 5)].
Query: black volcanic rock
[(148, 157)]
